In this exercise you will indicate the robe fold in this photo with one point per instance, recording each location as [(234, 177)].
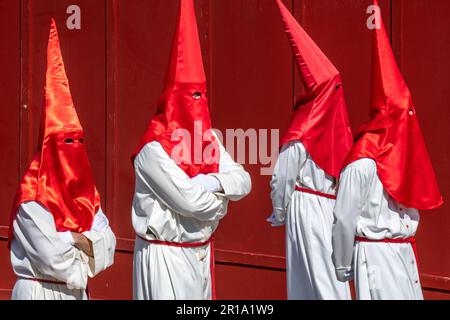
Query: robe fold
[(308, 219)]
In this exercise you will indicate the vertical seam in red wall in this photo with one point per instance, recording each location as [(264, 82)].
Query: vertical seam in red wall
[(115, 100), (209, 56), (396, 31), (400, 42), (110, 108), (391, 21), (29, 80), (20, 97), (293, 64), (105, 170)]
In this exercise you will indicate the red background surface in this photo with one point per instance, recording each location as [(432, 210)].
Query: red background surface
[(116, 65)]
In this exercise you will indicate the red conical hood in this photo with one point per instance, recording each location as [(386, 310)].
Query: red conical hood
[(59, 113), (315, 68), (60, 177), (186, 63), (393, 138), (321, 122), (182, 118)]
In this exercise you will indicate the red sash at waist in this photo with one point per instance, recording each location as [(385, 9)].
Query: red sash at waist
[(317, 193), (209, 242), (411, 241), (44, 281)]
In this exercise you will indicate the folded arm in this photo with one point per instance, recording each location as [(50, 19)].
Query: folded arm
[(234, 180), (34, 228), (103, 244), (173, 187)]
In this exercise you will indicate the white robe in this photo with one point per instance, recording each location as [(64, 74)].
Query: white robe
[(382, 271), (168, 206), (38, 252), (309, 220)]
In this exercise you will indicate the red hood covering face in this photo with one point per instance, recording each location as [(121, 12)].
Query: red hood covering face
[(393, 138), (321, 122), (183, 106), (60, 177)]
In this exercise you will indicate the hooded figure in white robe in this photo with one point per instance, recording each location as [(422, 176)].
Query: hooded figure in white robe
[(184, 181), (304, 182), (387, 178), (59, 236)]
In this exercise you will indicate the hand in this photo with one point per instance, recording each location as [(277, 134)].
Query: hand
[(66, 237), (100, 223), (345, 274), (273, 220), (83, 243), (210, 183)]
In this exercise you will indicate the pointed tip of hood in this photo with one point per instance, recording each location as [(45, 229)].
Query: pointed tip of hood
[(186, 63), (60, 113), (314, 66), (387, 80)]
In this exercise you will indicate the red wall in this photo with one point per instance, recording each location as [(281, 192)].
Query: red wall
[(116, 65)]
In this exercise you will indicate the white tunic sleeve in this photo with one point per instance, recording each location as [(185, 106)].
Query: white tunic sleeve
[(284, 178), (353, 188), (173, 187), (103, 244), (235, 181), (35, 229)]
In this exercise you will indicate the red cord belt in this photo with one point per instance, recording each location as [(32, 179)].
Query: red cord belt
[(44, 281), (317, 193), (209, 242), (411, 241)]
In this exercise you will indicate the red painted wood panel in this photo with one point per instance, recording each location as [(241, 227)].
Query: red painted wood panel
[(9, 127), (7, 277), (238, 282), (116, 282), (138, 58), (421, 41), (116, 66), (9, 105), (251, 88)]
